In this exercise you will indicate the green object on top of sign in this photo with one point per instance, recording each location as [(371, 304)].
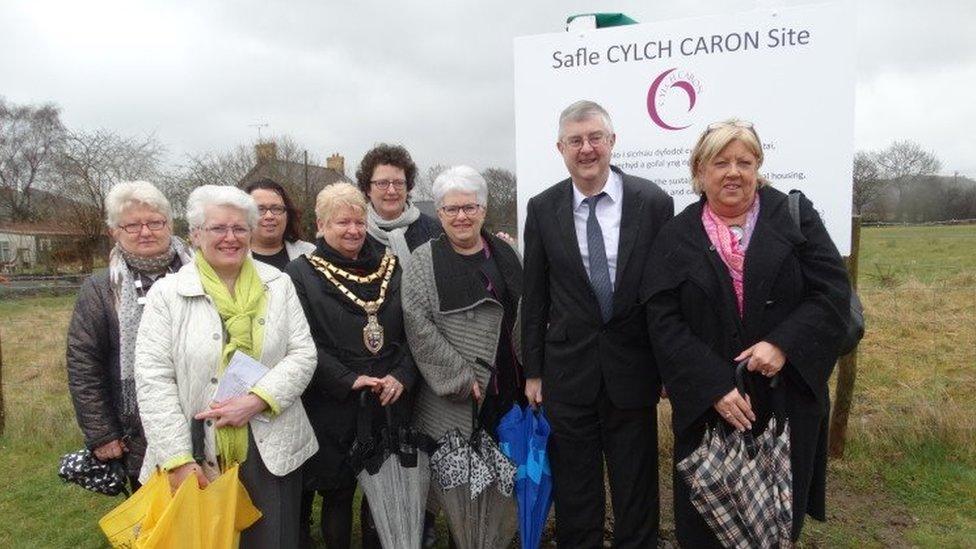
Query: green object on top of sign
[(605, 19)]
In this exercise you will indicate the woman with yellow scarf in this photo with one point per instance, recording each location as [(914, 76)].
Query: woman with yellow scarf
[(223, 303)]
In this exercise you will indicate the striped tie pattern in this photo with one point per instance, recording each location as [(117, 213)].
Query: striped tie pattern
[(599, 267)]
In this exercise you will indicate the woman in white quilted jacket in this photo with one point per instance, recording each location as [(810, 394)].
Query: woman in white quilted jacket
[(221, 303)]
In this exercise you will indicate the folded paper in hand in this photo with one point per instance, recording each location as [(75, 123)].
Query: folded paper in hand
[(242, 373)]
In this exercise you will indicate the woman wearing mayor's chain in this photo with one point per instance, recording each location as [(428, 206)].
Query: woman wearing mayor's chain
[(736, 277), (350, 289)]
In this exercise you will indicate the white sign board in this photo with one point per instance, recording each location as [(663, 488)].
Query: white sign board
[(789, 71)]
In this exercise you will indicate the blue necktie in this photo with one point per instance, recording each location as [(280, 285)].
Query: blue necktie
[(599, 267)]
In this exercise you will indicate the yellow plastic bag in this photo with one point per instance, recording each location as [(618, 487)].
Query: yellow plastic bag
[(123, 524), (191, 518)]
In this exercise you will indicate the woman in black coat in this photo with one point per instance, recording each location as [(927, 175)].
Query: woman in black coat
[(102, 333), (734, 279), (346, 275)]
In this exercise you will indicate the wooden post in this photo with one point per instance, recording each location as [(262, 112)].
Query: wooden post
[(3, 415), (847, 365)]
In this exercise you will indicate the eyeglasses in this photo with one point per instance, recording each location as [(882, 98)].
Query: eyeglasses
[(594, 139), (744, 124), (136, 228), (735, 123), (468, 209), (275, 210), (221, 230), (384, 184)]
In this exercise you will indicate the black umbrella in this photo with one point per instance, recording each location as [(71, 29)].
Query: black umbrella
[(474, 481), (87, 471), (741, 484), (393, 471)]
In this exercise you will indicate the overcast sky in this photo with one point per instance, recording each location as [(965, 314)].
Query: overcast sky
[(340, 76)]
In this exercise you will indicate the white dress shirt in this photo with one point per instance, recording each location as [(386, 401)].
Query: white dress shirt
[(608, 213)]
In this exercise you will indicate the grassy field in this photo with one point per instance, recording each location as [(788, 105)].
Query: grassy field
[(908, 479)]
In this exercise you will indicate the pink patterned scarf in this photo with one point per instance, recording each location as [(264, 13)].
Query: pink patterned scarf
[(729, 247)]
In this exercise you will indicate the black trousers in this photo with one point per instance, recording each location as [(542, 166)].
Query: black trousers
[(582, 438), (335, 520), (278, 498)]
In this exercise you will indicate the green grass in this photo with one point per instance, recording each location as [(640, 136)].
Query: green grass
[(908, 477), (930, 254), (38, 509)]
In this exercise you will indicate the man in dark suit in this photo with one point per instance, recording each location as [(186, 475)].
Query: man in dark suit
[(585, 340)]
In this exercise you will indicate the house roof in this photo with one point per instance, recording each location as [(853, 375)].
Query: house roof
[(293, 174)]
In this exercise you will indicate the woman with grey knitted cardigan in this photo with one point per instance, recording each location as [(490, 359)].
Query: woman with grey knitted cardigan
[(460, 297)]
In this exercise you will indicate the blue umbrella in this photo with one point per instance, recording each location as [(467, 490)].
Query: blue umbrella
[(522, 436)]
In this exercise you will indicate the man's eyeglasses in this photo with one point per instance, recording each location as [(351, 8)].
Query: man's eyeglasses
[(275, 210), (384, 184), (221, 230), (136, 228), (468, 209), (594, 139)]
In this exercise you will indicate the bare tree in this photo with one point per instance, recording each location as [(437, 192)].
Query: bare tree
[(901, 164), (88, 164), (217, 168), (29, 134), (868, 184), (903, 160), (423, 186), (502, 195)]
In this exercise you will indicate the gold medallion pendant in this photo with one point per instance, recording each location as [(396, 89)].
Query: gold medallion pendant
[(373, 330), (373, 334)]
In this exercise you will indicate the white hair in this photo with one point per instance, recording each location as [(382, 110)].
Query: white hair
[(461, 179), (584, 110), (219, 195), (134, 193)]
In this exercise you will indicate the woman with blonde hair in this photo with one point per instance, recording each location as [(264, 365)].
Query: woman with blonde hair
[(736, 277), (350, 290)]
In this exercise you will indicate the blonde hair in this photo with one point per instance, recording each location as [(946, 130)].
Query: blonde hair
[(718, 136), (335, 196)]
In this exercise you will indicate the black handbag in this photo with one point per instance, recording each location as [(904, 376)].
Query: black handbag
[(855, 320), (85, 470)]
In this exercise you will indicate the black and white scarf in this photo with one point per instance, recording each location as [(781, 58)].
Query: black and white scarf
[(124, 269)]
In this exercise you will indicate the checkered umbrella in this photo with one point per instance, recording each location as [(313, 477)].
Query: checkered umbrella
[(741, 484)]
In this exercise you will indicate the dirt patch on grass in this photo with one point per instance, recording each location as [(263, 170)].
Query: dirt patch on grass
[(859, 513)]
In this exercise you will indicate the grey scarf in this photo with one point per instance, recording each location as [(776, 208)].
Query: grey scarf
[(392, 233), (122, 271)]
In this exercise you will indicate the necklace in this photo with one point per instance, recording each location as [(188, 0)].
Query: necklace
[(738, 231), (373, 330), (372, 277)]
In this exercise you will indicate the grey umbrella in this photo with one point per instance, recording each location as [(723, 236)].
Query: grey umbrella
[(394, 474), (741, 484), (473, 481)]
